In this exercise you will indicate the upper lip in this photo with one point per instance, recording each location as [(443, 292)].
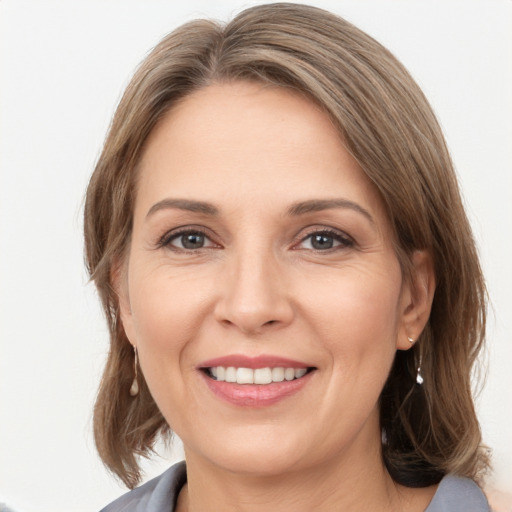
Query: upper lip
[(262, 361)]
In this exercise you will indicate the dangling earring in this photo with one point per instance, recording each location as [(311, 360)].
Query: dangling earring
[(134, 389), (419, 377)]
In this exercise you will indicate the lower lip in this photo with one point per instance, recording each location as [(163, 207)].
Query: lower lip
[(255, 395)]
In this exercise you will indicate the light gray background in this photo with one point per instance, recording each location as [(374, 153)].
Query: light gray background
[(63, 66)]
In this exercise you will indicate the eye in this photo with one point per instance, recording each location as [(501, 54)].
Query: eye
[(188, 240), (325, 240)]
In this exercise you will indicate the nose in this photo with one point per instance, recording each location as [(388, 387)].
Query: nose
[(254, 296)]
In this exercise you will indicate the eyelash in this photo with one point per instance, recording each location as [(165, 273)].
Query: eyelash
[(169, 237), (343, 240)]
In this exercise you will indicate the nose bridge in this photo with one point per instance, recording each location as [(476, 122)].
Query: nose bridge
[(254, 296)]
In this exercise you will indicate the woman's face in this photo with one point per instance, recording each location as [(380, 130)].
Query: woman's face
[(261, 252)]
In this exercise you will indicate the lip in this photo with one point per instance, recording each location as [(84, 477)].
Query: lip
[(262, 361), (254, 395)]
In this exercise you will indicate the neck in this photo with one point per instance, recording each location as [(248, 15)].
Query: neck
[(350, 483)]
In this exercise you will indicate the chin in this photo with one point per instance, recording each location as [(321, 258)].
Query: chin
[(258, 452), (259, 464)]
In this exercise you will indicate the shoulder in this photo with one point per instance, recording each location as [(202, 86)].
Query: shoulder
[(458, 494), (153, 496)]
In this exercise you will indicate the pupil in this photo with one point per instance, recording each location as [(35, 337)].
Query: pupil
[(192, 241), (322, 242)]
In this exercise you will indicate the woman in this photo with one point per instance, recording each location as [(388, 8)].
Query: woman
[(290, 280)]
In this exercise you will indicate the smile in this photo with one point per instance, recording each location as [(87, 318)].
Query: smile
[(260, 376), (257, 382)]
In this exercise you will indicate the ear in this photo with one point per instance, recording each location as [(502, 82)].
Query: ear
[(119, 280), (416, 299)]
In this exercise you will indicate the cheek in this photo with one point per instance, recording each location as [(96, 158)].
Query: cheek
[(166, 306), (357, 317), (167, 313), (358, 324)]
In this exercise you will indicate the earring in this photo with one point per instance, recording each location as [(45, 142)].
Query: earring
[(411, 340), (419, 377), (134, 389)]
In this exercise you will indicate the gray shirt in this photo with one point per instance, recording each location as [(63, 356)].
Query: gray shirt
[(454, 494)]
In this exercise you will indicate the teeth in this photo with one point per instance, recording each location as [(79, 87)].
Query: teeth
[(244, 376), (289, 374), (277, 374), (263, 376), (300, 372), (259, 376), (230, 374)]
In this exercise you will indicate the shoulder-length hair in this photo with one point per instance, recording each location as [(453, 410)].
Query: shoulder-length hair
[(388, 126)]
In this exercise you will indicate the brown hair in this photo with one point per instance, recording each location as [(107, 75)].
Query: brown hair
[(389, 127)]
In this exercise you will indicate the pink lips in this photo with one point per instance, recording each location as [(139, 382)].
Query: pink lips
[(263, 361), (254, 395)]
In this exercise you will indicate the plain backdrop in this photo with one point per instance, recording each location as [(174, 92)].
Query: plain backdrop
[(63, 66)]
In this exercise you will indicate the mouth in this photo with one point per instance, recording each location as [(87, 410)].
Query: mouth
[(255, 382)]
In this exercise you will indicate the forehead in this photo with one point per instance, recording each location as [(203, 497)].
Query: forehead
[(250, 142)]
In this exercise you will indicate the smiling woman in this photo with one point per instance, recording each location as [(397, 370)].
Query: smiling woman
[(276, 233)]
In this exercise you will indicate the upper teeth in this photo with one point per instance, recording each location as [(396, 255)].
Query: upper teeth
[(257, 376)]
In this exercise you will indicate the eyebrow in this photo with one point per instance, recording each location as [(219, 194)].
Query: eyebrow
[(296, 209), (318, 205), (184, 204)]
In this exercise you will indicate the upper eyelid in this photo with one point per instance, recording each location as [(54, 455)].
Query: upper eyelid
[(323, 229), (343, 243)]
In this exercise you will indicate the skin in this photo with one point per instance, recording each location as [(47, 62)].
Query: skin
[(260, 286)]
